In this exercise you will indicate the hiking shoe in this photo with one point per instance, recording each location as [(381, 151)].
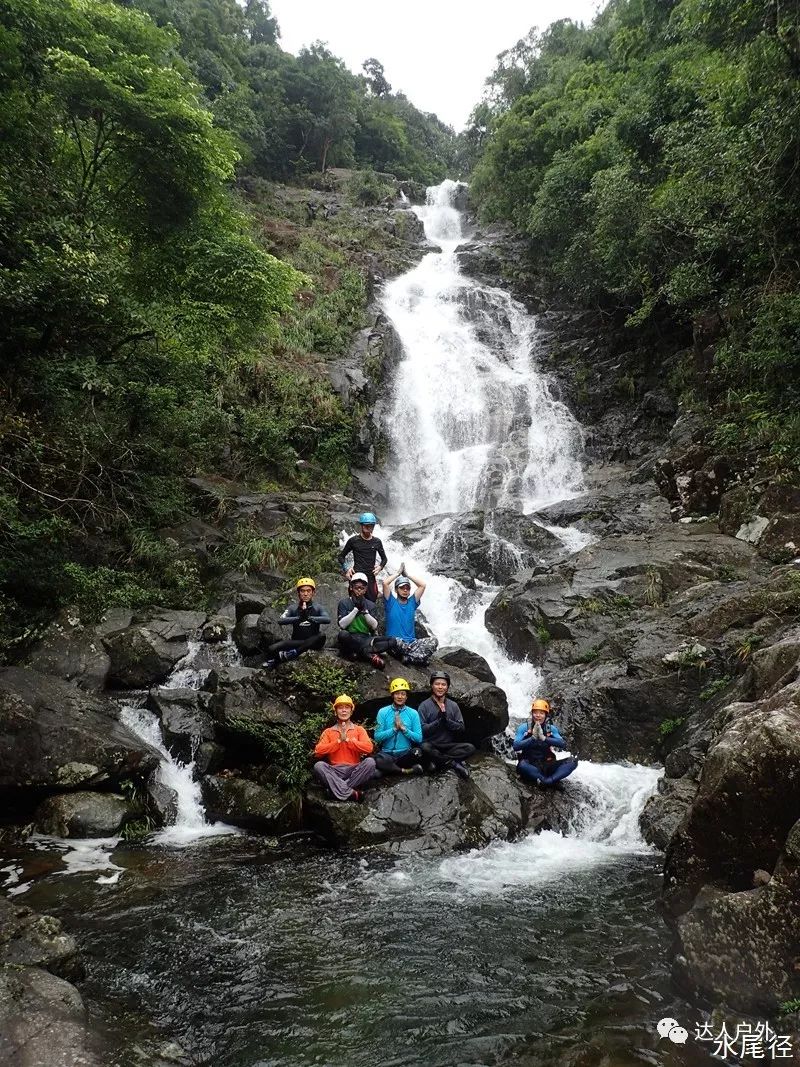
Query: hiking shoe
[(377, 661), (461, 769), (270, 664), (289, 653), (357, 796)]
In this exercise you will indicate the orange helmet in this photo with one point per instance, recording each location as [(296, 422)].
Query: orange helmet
[(541, 705)]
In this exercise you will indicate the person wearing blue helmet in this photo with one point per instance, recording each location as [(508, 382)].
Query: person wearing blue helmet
[(369, 555)]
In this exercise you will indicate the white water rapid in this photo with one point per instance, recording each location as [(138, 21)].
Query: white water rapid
[(475, 425)]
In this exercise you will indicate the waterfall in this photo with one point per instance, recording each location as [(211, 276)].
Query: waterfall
[(475, 424)]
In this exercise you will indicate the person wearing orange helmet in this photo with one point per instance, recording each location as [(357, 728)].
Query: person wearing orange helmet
[(305, 618), (536, 743), (344, 764)]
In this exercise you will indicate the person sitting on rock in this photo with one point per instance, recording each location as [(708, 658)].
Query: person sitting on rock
[(401, 609), (305, 618), (535, 744), (369, 555), (345, 765), (443, 729), (357, 626), (398, 731)]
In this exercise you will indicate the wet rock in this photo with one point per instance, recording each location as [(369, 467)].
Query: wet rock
[(742, 947), (144, 654), (748, 799), (209, 757), (416, 531), (491, 545), (54, 735), (71, 651), (216, 630), (780, 540), (665, 810), (253, 806), (43, 1021), (184, 719), (775, 666), (161, 802), (468, 661), (431, 814), (245, 701), (82, 815), (616, 504), (247, 635), (28, 939)]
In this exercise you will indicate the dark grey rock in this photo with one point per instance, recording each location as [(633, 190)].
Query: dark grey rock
[(71, 651), (665, 810), (253, 806), (468, 661), (82, 814), (54, 735), (184, 719), (28, 939)]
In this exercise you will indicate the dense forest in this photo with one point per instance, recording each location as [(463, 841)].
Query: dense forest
[(152, 325), (654, 159), (158, 319)]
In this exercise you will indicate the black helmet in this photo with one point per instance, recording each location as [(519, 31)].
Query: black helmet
[(439, 675)]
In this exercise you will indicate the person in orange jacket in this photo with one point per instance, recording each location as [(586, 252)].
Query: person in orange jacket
[(347, 747)]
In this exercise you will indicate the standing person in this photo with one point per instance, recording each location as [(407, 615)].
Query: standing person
[(346, 747), (305, 618), (398, 731), (358, 625), (369, 555), (401, 609), (535, 743), (443, 729)]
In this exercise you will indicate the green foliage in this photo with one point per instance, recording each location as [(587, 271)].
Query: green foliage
[(367, 188), (543, 635), (669, 726), (715, 687), (589, 656), (612, 605), (748, 646), (653, 157), (137, 830), (323, 679), (789, 1007)]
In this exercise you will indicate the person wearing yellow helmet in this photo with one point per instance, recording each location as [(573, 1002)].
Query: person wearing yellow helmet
[(398, 732), (536, 743), (344, 764), (305, 618)]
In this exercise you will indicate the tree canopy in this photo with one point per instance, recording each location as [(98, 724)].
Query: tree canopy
[(653, 158)]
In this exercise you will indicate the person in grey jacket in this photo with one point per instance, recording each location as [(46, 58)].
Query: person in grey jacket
[(305, 618), (443, 743)]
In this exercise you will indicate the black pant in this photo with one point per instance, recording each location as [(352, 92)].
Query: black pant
[(441, 754), (364, 646), (388, 763), (315, 642)]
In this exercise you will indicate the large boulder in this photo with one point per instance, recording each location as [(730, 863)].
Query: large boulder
[(665, 810), (741, 948), (748, 799), (491, 545), (43, 1021), (72, 651), (82, 814), (184, 719), (433, 814), (144, 654), (55, 736), (244, 700), (468, 661), (28, 939), (251, 805)]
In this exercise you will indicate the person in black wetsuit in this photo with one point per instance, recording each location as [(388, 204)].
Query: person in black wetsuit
[(369, 555), (443, 743), (305, 618)]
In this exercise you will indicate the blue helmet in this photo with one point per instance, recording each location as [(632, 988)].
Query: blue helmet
[(366, 518)]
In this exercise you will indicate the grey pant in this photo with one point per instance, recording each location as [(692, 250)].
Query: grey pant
[(342, 779)]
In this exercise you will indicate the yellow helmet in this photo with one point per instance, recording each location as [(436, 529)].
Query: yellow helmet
[(541, 705), (399, 683), (305, 581), (343, 698)]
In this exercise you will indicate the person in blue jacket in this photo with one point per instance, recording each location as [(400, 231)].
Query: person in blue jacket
[(398, 731), (535, 743)]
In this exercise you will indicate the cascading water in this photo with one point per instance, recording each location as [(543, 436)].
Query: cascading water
[(474, 424)]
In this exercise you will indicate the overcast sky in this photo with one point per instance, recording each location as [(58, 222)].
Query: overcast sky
[(437, 52)]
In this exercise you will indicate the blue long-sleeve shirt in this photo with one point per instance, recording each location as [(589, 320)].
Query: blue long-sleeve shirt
[(393, 741)]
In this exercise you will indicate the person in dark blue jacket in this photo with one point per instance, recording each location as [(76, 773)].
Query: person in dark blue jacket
[(535, 744), (305, 618), (443, 743)]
